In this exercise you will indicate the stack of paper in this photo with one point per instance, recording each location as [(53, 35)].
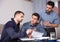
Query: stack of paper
[(28, 39), (37, 34)]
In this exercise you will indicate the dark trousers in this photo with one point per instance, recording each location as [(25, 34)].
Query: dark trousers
[(48, 30)]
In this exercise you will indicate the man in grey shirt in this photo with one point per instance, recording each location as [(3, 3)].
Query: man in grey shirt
[(49, 18), (33, 25)]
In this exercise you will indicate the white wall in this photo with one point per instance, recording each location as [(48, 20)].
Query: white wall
[(39, 5), (8, 7)]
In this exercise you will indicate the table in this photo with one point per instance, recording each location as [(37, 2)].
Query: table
[(34, 39)]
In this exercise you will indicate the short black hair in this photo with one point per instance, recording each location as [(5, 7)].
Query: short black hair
[(17, 12), (36, 14), (51, 3)]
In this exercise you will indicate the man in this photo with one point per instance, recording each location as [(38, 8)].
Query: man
[(49, 18), (11, 31), (32, 25)]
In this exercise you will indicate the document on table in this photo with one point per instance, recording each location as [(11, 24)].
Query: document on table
[(37, 34), (29, 39), (26, 39)]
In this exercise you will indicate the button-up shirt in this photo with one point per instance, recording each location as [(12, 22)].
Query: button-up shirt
[(52, 17), (28, 25)]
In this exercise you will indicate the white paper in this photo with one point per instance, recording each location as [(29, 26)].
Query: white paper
[(42, 38), (37, 34), (28, 39)]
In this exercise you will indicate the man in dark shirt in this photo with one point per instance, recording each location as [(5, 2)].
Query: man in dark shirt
[(11, 31)]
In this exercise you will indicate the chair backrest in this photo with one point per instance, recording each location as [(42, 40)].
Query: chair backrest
[(1, 28), (57, 30)]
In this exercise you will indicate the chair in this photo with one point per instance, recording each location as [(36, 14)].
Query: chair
[(1, 28), (57, 30)]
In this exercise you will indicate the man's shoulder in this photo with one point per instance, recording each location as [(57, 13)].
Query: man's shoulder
[(9, 23), (54, 14), (42, 11), (26, 23)]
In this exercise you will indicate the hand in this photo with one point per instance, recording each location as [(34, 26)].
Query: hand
[(29, 32), (46, 23), (34, 29), (29, 36)]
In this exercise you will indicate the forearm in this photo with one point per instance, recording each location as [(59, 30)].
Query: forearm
[(17, 35), (13, 35), (53, 25)]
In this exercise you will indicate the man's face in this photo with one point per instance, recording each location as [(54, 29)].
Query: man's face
[(20, 17), (48, 8), (34, 19)]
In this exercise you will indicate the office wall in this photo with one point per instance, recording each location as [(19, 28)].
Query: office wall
[(8, 7), (39, 5)]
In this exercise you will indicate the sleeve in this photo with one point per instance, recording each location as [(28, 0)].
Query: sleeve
[(42, 30), (56, 20), (10, 31), (23, 30)]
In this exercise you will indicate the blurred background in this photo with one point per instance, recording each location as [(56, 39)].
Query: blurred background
[(8, 8)]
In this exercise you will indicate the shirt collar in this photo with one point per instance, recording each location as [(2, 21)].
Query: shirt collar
[(48, 13), (33, 25)]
